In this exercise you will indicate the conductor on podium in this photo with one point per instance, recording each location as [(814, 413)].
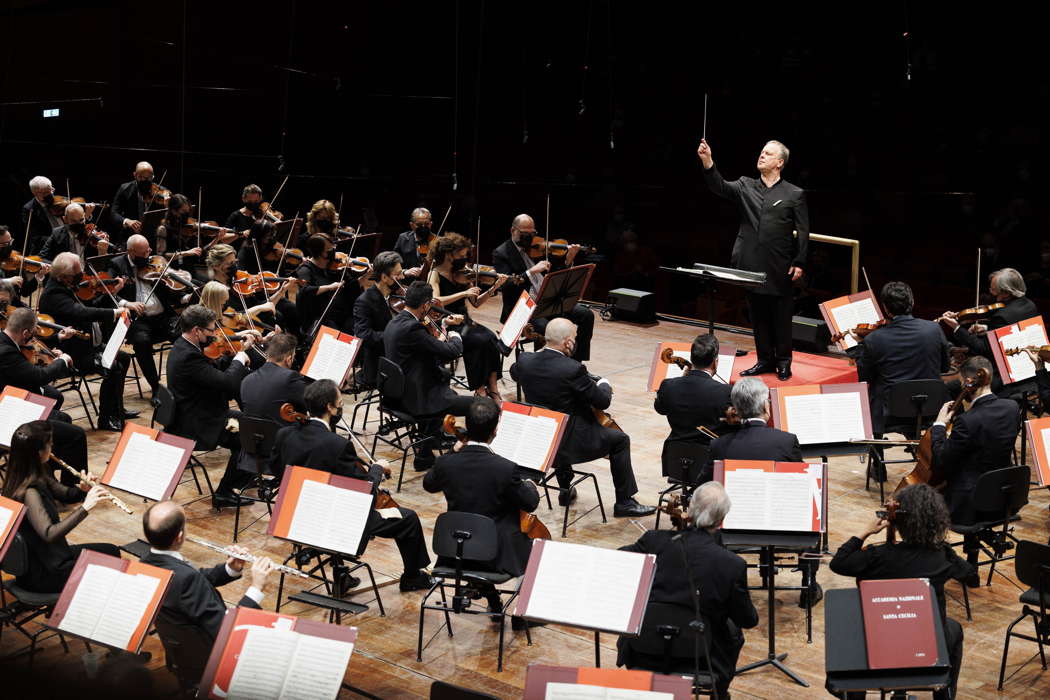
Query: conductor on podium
[(771, 210)]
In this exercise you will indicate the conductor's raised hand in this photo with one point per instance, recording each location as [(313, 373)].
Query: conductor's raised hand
[(704, 151)]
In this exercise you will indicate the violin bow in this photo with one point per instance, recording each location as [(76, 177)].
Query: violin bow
[(262, 280), (273, 200), (160, 278), (69, 196), (442, 226), (342, 279), (977, 293), (866, 280), (287, 242), (25, 243), (153, 196), (200, 213), (547, 232), (102, 284)]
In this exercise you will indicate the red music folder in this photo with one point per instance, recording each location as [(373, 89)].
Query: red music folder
[(11, 514), (898, 623), (774, 496), (259, 654), (529, 435), (110, 600), (539, 677), (660, 370), (332, 355), (17, 407), (519, 316), (1016, 368), (846, 313), (822, 413), (322, 510), (147, 462), (1039, 438), (584, 586)]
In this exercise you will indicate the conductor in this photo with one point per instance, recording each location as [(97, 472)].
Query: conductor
[(770, 210)]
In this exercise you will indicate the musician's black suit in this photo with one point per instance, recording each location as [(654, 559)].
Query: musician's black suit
[(265, 390), (474, 480), (560, 383), (692, 400), (371, 317), (146, 330), (128, 204), (407, 247), (507, 259), (36, 218), (725, 601), (1016, 310)]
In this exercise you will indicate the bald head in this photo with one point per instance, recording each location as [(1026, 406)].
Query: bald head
[(523, 221), (75, 214), (143, 169), (163, 524), (138, 246), (522, 230), (561, 335)]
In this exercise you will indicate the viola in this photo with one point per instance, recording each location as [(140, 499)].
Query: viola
[(175, 280), (603, 418), (227, 345), (891, 509), (290, 415), (93, 234), (558, 247), (38, 353), (672, 507), (30, 264), (236, 321), (59, 204), (423, 247), (1043, 351), (668, 357), (46, 327), (158, 194), (974, 313), (94, 285), (861, 330), (247, 283)]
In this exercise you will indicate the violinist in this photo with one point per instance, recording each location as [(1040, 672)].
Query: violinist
[(481, 352), (320, 284), (696, 398), (981, 439), (72, 237), (171, 235), (274, 384), (408, 243), (215, 296), (131, 201), (372, 312), (321, 219), (422, 358), (474, 479), (37, 215), (250, 212), (512, 258), (262, 246), (59, 300), (25, 283)]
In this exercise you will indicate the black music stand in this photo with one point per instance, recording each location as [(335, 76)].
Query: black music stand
[(562, 290), (709, 276), (150, 221)]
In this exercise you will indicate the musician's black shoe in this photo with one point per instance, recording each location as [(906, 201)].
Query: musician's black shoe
[(973, 581), (567, 497), (128, 415), (224, 500), (784, 372), (349, 582), (520, 623), (631, 508), (423, 463), (111, 423), (758, 368), (419, 581), (810, 596)]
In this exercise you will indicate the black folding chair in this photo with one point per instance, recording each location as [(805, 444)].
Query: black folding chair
[(257, 436), (910, 407), (186, 651), (164, 415), (27, 605), (396, 425), (671, 643), (683, 460), (999, 494), (1033, 569)]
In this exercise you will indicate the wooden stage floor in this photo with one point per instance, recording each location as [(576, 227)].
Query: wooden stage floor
[(384, 662)]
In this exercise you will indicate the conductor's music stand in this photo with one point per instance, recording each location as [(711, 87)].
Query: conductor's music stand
[(710, 275)]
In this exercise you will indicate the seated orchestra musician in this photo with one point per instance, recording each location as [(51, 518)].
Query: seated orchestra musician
[(315, 295), (409, 242), (982, 438), (372, 312), (171, 234), (555, 379), (23, 281), (132, 200), (259, 247), (202, 393), (59, 300), (1007, 287), (275, 383), (72, 237), (719, 576), (36, 214), (312, 443), (474, 479), (30, 480), (192, 598), (421, 357), (757, 440), (481, 351), (241, 219), (922, 521), (512, 258), (696, 398)]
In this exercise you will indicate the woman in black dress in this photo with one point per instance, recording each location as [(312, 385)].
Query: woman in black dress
[(320, 283), (31, 481), (481, 351)]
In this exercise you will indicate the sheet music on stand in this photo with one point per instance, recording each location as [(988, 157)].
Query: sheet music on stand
[(732, 275), (109, 600), (147, 462), (322, 510), (519, 317), (11, 514), (332, 356), (116, 339), (1019, 367), (529, 435), (823, 414), (1038, 430), (18, 407), (660, 370), (265, 655), (847, 312), (544, 682), (151, 220), (772, 496)]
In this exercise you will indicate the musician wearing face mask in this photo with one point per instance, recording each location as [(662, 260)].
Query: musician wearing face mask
[(171, 235), (261, 242), (72, 237), (420, 227), (372, 311), (250, 212), (321, 219), (132, 200), (36, 214), (23, 282), (320, 284), (1007, 287)]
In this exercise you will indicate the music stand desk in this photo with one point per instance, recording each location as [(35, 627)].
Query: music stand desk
[(709, 276)]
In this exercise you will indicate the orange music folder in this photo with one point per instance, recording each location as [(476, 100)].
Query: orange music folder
[(11, 514), (529, 435), (332, 355), (322, 510), (539, 676), (660, 370), (1016, 368), (774, 496), (1039, 438), (822, 413), (846, 313), (147, 462), (17, 407)]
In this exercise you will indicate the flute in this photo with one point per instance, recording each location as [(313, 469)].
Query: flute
[(248, 557), (116, 501)]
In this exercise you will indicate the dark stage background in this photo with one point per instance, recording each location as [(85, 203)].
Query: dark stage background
[(918, 128)]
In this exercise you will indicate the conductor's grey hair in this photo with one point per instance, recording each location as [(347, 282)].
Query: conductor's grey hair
[(784, 152), (750, 396), (709, 505), (1010, 281)]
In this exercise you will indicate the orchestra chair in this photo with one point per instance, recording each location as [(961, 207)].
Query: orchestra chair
[(1002, 492), (910, 407), (341, 584), (518, 351), (257, 437), (466, 537), (682, 460), (440, 690), (670, 643), (1033, 569), (186, 651), (395, 425), (164, 415), (370, 399), (78, 382), (27, 605)]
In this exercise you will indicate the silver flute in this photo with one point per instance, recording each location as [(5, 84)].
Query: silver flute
[(248, 557)]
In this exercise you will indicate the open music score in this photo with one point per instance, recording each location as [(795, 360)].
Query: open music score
[(820, 414), (774, 496), (529, 435), (660, 370), (110, 600), (845, 313), (116, 339), (519, 316), (1016, 368), (147, 462), (11, 514), (262, 655), (18, 407), (322, 510), (608, 592), (543, 682), (1039, 438), (332, 356)]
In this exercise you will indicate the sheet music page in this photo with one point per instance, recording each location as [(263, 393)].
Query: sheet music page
[(6, 515), (310, 522), (1044, 434), (333, 358), (15, 412), (89, 600), (574, 691), (347, 520), (120, 331), (534, 446), (748, 492), (509, 431), (519, 316), (631, 694), (262, 664), (317, 668), (586, 586), (720, 274), (674, 371), (127, 606), (849, 316), (769, 501), (724, 368), (1020, 365), (822, 418), (146, 467)]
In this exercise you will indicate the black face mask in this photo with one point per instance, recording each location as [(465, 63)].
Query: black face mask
[(5, 252), (459, 263), (78, 228), (207, 340), (253, 206), (422, 232), (139, 262), (330, 255), (49, 200), (77, 279), (324, 225), (144, 185), (338, 416), (524, 242), (231, 271)]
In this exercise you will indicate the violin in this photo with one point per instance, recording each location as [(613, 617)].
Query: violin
[(38, 353), (528, 523), (479, 275), (1043, 351), (358, 265), (974, 313), (91, 233), (209, 229), (396, 302), (30, 264), (175, 280), (46, 327), (558, 247), (158, 194), (247, 283), (891, 509), (423, 247), (228, 345), (236, 321), (93, 286), (861, 330), (270, 213), (59, 203)]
